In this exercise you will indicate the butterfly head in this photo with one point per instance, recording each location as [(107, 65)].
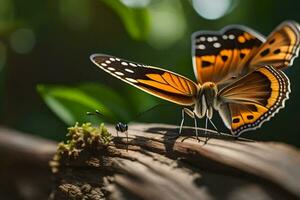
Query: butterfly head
[(209, 90)]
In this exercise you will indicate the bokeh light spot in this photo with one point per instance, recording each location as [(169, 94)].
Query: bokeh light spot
[(212, 9), (168, 24), (136, 3), (22, 40)]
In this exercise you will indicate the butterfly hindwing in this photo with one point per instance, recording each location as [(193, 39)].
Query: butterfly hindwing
[(219, 56), (253, 99), (281, 47), (158, 82)]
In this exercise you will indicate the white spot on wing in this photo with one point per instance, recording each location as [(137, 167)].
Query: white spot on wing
[(118, 59), (209, 39), (217, 45), (119, 73), (124, 63), (225, 37), (111, 68), (202, 39), (103, 64), (129, 70), (201, 46), (132, 64), (107, 61), (112, 59), (131, 80), (231, 36)]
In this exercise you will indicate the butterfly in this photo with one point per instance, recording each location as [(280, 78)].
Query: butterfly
[(238, 71)]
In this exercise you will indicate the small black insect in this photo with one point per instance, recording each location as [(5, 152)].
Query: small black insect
[(120, 126)]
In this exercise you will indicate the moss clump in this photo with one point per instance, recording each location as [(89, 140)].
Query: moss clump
[(86, 134), (81, 137)]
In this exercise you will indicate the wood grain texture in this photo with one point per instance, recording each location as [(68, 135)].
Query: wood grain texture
[(156, 165)]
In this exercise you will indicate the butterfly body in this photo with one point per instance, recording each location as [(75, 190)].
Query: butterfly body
[(206, 100), (238, 71)]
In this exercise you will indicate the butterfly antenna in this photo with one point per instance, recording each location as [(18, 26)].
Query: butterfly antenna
[(148, 110)]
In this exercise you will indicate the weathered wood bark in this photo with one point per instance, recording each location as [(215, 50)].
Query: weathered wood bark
[(156, 165), (24, 166)]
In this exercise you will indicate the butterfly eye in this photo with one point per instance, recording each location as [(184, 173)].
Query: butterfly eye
[(211, 85)]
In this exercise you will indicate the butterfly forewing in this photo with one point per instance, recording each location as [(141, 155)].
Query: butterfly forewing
[(281, 47), (220, 56), (253, 99), (161, 83)]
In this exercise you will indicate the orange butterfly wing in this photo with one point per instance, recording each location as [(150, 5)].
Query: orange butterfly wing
[(281, 47), (253, 99), (158, 82), (221, 56)]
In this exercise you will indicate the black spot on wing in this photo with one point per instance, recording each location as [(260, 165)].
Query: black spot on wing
[(224, 58), (242, 55), (272, 41), (250, 117), (236, 120), (206, 63), (265, 52), (277, 51)]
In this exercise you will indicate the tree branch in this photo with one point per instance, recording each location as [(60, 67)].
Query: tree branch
[(155, 165)]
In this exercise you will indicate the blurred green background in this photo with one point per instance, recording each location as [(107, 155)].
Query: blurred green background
[(47, 81)]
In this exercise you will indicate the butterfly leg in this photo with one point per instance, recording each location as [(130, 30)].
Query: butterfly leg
[(205, 133), (196, 126), (182, 120), (192, 115)]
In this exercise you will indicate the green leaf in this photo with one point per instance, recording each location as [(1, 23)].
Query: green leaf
[(136, 20), (116, 102), (71, 103)]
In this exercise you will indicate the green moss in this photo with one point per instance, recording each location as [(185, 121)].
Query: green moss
[(88, 134), (79, 138)]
